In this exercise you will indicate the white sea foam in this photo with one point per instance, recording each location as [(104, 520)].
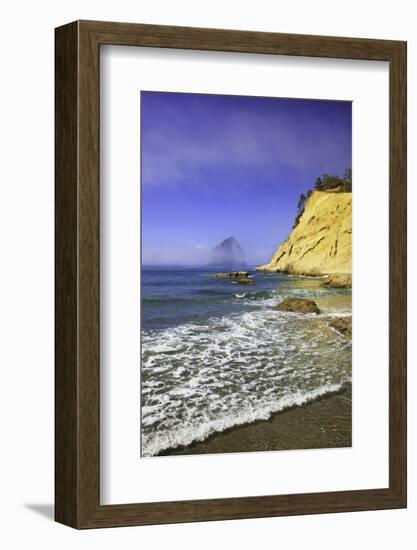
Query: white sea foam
[(185, 434), (201, 378), (311, 277)]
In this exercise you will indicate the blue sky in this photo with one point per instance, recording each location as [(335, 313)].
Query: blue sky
[(217, 166)]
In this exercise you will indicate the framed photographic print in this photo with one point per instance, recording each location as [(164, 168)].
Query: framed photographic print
[(230, 274)]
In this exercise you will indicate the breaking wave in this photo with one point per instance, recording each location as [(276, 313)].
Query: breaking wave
[(188, 433)]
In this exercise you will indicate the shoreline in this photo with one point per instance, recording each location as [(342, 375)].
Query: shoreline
[(235, 327), (330, 279), (323, 423)]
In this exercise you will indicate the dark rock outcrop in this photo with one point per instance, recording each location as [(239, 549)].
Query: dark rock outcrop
[(245, 281), (339, 281), (298, 305), (231, 274), (343, 325), (241, 277)]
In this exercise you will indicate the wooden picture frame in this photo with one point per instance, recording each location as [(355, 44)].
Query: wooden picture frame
[(77, 382)]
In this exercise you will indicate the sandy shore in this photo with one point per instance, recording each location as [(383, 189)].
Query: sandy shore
[(323, 423)]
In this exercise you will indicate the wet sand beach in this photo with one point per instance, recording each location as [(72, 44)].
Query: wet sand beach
[(324, 423)]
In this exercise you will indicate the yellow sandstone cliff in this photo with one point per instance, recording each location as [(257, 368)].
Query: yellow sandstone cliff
[(321, 243)]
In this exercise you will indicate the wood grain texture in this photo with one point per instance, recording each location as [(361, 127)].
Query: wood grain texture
[(398, 273), (78, 284), (66, 236)]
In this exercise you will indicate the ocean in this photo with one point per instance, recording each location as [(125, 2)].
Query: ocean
[(215, 355)]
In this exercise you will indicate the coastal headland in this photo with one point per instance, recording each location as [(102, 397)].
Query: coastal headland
[(320, 244)]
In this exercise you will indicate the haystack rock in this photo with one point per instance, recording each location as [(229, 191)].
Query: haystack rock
[(321, 243), (228, 253)]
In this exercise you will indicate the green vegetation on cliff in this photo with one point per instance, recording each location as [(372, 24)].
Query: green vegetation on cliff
[(326, 182)]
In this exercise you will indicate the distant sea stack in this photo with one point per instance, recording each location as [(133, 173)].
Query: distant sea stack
[(321, 242), (227, 253)]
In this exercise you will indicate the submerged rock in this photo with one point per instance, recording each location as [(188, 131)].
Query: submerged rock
[(231, 274), (343, 325), (240, 277), (298, 305), (246, 281)]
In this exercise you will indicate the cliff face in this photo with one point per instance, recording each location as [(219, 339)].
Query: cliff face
[(321, 243), (227, 253)]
